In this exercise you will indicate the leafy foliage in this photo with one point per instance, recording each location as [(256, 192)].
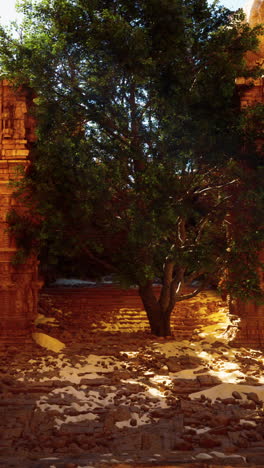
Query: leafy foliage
[(138, 159)]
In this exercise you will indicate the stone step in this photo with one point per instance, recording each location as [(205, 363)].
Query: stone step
[(109, 305)]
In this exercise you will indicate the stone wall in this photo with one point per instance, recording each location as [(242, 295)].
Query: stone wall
[(19, 286), (251, 326), (251, 332)]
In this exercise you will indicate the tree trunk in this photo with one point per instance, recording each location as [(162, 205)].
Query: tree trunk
[(159, 318)]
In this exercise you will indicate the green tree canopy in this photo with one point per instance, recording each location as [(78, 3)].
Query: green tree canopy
[(138, 165)]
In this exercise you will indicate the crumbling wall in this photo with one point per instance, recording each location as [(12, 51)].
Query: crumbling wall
[(19, 285), (251, 327)]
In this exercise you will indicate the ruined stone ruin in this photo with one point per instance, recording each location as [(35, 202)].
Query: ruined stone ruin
[(251, 327), (19, 285)]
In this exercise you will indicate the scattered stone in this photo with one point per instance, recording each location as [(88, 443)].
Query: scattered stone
[(7, 380), (253, 397), (185, 386), (222, 420), (228, 401), (206, 380), (121, 414), (220, 430), (189, 362), (133, 422), (95, 382), (173, 364), (248, 404), (120, 375), (201, 371), (184, 426), (218, 344), (58, 443), (181, 444), (255, 459), (203, 456), (209, 442)]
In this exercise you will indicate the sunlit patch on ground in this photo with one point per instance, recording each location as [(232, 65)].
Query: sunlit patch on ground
[(42, 320), (112, 380), (130, 354), (125, 320), (225, 390), (161, 379)]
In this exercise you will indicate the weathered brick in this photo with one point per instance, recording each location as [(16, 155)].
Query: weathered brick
[(18, 286)]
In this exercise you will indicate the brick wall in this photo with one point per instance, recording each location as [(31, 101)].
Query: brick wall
[(251, 314), (18, 286)]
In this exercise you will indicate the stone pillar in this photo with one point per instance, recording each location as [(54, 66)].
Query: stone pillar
[(251, 327), (18, 285)]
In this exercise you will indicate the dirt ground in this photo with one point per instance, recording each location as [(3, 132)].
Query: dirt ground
[(101, 391)]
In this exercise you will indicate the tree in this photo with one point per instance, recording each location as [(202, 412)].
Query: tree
[(139, 142)]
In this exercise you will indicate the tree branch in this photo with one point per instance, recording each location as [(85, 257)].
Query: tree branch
[(216, 187), (104, 263), (176, 286), (181, 231), (194, 293)]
